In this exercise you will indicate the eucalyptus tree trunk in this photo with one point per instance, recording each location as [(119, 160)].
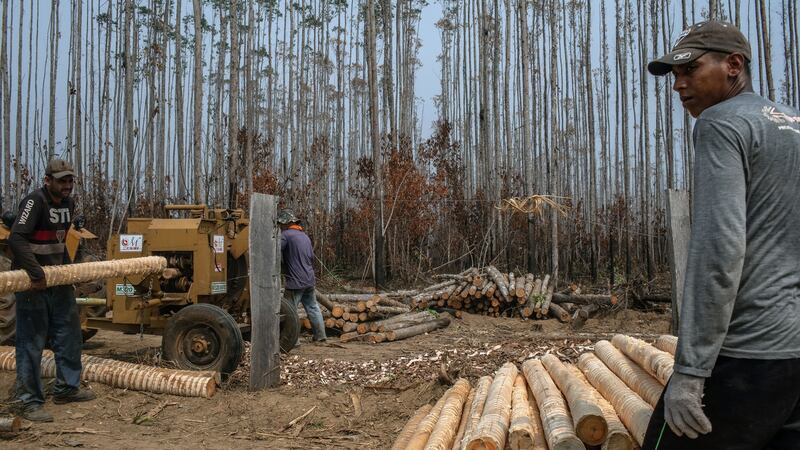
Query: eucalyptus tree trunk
[(6, 104), (51, 134), (233, 105), (197, 126), (179, 108), (77, 84), (379, 257), (129, 128)]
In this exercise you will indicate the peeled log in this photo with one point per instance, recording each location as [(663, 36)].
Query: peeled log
[(654, 361), (492, 430), (628, 371), (19, 281), (410, 427), (10, 424), (618, 437), (426, 425), (539, 439), (556, 421), (462, 426), (521, 430), (124, 375), (444, 432), (476, 408), (667, 343), (632, 410), (590, 425)]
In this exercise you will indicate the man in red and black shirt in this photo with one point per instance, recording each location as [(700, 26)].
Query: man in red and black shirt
[(46, 314)]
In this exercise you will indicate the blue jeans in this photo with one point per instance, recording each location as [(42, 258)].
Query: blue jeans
[(309, 300), (46, 316)]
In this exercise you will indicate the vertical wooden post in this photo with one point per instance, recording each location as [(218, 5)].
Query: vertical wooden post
[(678, 231), (265, 287)]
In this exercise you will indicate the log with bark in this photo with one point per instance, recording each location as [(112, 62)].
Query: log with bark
[(667, 343), (585, 299), (638, 379), (656, 362), (618, 436), (124, 375), (476, 409), (19, 281), (10, 424), (632, 410), (492, 430), (590, 424), (556, 420), (444, 433), (498, 280)]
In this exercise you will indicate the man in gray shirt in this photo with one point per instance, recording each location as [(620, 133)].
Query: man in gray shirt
[(736, 380)]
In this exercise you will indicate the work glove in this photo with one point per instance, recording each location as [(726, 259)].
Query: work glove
[(682, 408)]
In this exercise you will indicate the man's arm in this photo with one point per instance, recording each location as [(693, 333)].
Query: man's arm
[(716, 248), (19, 241)]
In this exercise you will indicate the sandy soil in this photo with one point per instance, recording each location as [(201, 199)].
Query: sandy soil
[(390, 380)]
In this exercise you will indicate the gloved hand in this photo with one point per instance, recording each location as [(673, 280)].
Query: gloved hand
[(682, 408)]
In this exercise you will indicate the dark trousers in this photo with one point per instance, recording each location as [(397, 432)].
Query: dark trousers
[(48, 316), (752, 404)]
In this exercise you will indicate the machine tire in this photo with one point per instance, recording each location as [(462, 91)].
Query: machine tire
[(289, 326), (203, 337)]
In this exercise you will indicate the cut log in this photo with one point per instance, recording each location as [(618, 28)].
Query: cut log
[(444, 432), (464, 419), (586, 299), (323, 300), (414, 330), (375, 326), (438, 286), (131, 376), (10, 424), (520, 432), (476, 409), (632, 410), (512, 285), (667, 343), (559, 313), (407, 323), (556, 421), (656, 362), (638, 379), (492, 430), (539, 438), (618, 437), (390, 310), (545, 309), (499, 281), (426, 425), (590, 424), (19, 281)]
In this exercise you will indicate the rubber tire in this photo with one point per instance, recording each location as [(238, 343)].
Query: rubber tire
[(289, 326), (217, 321)]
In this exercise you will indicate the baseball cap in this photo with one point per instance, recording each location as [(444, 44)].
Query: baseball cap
[(59, 168), (699, 39), (287, 216)]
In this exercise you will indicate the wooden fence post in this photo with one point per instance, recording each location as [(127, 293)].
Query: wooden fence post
[(265, 296), (678, 231)]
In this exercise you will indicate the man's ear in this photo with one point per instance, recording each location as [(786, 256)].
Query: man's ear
[(736, 63)]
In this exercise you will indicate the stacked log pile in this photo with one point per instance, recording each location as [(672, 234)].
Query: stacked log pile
[(374, 318), (490, 292), (604, 401)]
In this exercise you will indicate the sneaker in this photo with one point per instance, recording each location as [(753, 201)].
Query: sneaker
[(79, 395), (36, 413)]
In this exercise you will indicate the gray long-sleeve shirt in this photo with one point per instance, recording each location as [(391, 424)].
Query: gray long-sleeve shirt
[(742, 290)]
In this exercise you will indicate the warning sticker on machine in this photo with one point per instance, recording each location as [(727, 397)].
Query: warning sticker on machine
[(124, 289), (219, 287), (219, 244), (130, 242)]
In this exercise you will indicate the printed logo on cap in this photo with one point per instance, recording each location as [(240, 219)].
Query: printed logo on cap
[(682, 56)]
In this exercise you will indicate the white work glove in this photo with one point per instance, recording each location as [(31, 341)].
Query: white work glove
[(682, 408)]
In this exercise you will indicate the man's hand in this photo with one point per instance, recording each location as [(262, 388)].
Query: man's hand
[(682, 408), (39, 285)]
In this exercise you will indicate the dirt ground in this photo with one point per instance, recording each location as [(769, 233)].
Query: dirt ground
[(389, 381)]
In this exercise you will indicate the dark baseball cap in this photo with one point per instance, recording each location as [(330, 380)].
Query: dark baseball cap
[(59, 168), (699, 39)]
